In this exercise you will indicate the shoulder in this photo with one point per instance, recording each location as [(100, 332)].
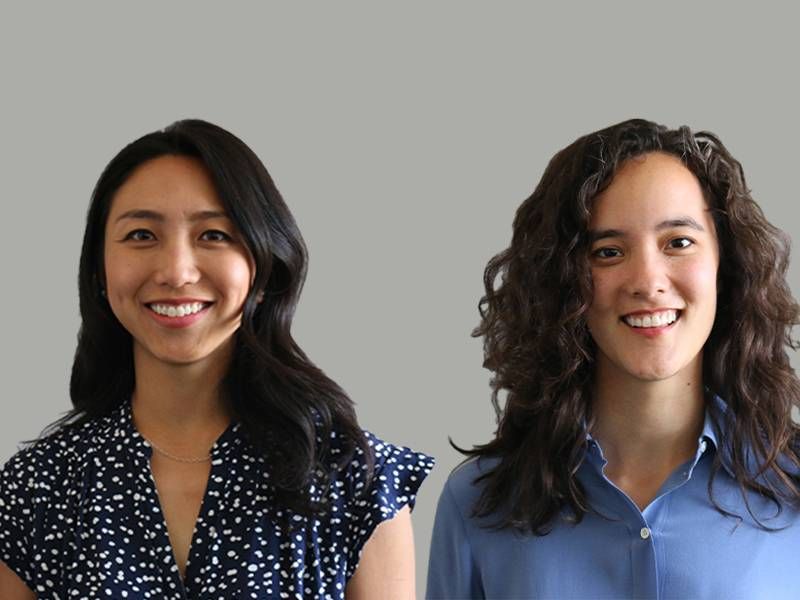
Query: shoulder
[(720, 429), (38, 489), (380, 456), (41, 466), (386, 470), (385, 453), (464, 485), (459, 539), (373, 488)]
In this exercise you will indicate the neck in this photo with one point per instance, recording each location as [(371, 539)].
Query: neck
[(646, 426), (180, 406)]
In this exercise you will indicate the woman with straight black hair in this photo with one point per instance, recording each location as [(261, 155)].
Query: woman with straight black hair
[(637, 330), (206, 456)]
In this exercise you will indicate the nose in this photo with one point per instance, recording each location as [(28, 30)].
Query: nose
[(177, 265), (647, 274)]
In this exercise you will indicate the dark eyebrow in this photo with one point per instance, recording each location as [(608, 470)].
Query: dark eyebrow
[(151, 215), (599, 234)]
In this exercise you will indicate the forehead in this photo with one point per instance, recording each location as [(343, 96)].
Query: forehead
[(650, 189), (172, 185)]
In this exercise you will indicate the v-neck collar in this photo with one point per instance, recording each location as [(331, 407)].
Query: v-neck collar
[(223, 451)]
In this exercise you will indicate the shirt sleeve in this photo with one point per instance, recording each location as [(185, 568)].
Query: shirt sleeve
[(16, 519), (451, 568), (398, 473)]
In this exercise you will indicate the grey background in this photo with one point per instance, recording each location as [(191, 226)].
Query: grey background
[(403, 138)]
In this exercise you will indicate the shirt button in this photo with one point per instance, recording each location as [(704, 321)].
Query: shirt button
[(644, 532)]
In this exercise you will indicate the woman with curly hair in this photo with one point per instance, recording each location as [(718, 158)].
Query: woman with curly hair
[(637, 330), (206, 456)]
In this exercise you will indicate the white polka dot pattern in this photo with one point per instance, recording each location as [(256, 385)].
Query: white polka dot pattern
[(80, 518)]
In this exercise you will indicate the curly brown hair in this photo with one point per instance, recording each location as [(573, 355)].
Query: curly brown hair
[(541, 354)]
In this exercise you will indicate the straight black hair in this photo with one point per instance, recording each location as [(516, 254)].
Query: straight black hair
[(287, 406)]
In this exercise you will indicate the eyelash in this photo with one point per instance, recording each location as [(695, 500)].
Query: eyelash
[(597, 252), (225, 236)]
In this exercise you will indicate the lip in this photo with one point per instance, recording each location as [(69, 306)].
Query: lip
[(178, 301), (652, 332), (651, 311), (177, 322)]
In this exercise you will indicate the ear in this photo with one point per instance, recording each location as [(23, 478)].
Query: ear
[(100, 282), (260, 296)]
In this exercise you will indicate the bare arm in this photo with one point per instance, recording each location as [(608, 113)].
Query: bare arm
[(12, 587), (386, 568)]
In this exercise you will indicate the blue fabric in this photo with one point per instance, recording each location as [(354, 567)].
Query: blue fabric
[(80, 518), (687, 549)]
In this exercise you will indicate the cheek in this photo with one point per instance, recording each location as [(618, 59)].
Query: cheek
[(235, 277), (603, 286), (699, 279), (602, 305), (120, 274)]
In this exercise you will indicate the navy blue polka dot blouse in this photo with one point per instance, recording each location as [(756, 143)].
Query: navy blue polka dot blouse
[(80, 518)]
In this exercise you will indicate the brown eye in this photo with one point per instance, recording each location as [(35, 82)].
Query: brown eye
[(216, 235), (680, 243), (136, 237), (607, 253)]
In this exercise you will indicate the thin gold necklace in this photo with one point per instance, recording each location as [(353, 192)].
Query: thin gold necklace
[(182, 459)]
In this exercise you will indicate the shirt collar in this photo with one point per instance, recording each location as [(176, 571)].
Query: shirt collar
[(716, 411)]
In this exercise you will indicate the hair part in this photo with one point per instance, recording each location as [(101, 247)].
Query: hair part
[(541, 354), (287, 406)]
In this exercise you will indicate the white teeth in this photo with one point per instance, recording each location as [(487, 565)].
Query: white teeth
[(169, 310), (654, 320)]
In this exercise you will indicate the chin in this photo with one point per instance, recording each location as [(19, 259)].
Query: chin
[(174, 360), (654, 372), (643, 367), (653, 376), (177, 356)]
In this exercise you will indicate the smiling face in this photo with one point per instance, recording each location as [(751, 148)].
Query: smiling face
[(170, 248), (654, 249)]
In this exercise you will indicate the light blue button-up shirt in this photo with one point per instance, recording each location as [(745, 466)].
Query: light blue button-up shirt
[(680, 546)]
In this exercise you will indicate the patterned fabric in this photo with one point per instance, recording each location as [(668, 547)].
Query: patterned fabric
[(80, 518)]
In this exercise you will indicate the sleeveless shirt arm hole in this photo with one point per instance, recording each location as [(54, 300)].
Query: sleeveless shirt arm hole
[(397, 476), (451, 566), (16, 519)]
